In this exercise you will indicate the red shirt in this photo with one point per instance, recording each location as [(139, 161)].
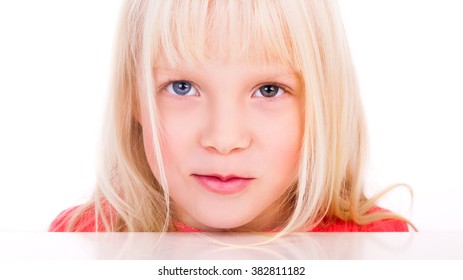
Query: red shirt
[(86, 223)]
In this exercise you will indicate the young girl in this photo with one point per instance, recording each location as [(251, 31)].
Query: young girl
[(232, 116)]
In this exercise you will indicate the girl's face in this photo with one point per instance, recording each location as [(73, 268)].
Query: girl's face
[(230, 138)]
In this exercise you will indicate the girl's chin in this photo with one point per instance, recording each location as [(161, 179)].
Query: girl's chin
[(222, 227), (223, 221), (227, 226), (215, 224)]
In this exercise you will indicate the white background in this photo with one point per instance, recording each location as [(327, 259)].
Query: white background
[(54, 70)]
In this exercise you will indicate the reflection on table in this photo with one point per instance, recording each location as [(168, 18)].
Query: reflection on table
[(230, 246)]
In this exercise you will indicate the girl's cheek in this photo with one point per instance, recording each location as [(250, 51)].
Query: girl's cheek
[(174, 132)]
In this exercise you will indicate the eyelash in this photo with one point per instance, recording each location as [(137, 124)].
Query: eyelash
[(284, 88)]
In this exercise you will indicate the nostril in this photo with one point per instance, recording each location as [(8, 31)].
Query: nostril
[(225, 145)]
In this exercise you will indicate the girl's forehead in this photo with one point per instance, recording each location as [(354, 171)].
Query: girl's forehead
[(182, 65)]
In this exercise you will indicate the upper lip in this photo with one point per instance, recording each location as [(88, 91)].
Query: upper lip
[(224, 177)]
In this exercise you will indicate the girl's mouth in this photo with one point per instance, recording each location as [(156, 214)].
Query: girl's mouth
[(222, 184)]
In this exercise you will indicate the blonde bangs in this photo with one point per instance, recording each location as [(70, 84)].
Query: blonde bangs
[(202, 32)]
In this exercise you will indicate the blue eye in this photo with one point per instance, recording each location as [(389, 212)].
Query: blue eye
[(269, 91), (182, 88)]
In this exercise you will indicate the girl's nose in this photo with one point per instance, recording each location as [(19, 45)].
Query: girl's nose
[(226, 129)]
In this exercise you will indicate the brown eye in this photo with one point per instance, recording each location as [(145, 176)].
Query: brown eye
[(269, 91)]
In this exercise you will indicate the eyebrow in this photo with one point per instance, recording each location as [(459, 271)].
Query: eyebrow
[(169, 70), (291, 78), (272, 75)]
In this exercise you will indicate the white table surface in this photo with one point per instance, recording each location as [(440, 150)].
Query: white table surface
[(198, 246)]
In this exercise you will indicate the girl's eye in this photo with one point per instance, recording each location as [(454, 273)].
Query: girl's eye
[(269, 91), (182, 88)]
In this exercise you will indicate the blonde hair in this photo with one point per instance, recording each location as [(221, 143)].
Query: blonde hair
[(307, 35)]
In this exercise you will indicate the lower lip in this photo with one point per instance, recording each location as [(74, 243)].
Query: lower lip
[(231, 186)]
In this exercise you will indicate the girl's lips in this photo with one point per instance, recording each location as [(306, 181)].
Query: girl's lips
[(229, 184)]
